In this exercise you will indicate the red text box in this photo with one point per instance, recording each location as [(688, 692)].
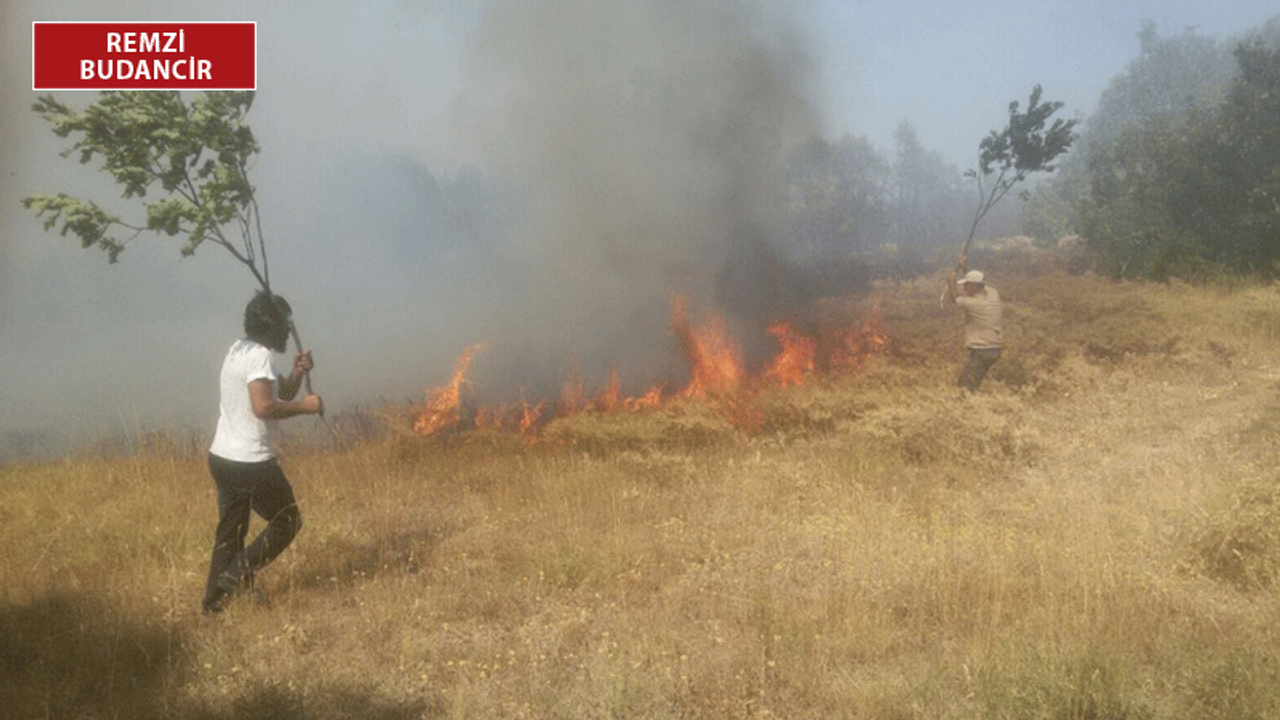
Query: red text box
[(144, 56)]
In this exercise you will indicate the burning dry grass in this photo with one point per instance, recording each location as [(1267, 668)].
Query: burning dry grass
[(1092, 536), (725, 393)]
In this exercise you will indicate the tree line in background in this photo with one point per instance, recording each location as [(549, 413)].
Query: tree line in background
[(1176, 173), (846, 196), (1178, 170)]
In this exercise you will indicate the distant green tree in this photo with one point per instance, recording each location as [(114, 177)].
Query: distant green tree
[(1239, 208), (1170, 77), (838, 197), (1184, 193), (928, 195), (1050, 212), (1133, 186)]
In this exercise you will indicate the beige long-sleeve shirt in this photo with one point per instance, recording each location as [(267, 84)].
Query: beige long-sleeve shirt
[(982, 319)]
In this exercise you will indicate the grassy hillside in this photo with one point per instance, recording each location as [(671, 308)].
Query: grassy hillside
[(1095, 535)]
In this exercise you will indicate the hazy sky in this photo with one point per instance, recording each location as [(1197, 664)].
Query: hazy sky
[(350, 90)]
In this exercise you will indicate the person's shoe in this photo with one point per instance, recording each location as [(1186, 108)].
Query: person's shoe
[(228, 588), (215, 605)]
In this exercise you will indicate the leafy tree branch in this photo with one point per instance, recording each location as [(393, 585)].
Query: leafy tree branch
[(194, 157), (1023, 147), (197, 154)]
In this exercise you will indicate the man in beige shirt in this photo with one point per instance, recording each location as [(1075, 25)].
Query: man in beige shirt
[(982, 322)]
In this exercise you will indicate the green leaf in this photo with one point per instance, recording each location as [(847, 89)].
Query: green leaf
[(82, 218)]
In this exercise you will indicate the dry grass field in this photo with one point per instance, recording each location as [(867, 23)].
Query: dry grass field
[(1095, 535)]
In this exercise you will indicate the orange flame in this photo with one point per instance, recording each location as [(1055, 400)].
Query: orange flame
[(797, 358), (529, 416), (713, 359), (652, 398), (443, 403), (715, 367), (856, 345)]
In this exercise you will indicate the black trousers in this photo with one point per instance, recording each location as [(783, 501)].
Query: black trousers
[(259, 487)]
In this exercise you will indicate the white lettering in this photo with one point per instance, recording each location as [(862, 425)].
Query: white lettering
[(188, 68), (157, 42)]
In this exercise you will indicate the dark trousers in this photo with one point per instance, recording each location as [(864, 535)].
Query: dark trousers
[(259, 487), (980, 361)]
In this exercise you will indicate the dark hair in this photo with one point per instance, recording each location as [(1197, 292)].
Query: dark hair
[(266, 319)]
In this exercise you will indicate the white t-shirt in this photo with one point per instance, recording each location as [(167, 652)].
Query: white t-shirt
[(241, 436)]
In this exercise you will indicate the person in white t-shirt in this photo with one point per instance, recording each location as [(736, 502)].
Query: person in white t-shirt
[(242, 457), (983, 322)]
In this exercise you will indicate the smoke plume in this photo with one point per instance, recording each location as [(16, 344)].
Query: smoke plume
[(643, 139)]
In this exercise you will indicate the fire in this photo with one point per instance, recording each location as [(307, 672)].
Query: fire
[(856, 345), (652, 398), (716, 373), (529, 416), (796, 360), (443, 403), (714, 360)]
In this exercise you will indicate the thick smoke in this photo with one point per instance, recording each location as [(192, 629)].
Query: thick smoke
[(644, 140)]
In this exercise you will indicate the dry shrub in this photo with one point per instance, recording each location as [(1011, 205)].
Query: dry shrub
[(281, 700), (921, 332), (658, 468), (1237, 541), (1263, 323), (818, 408), (1106, 320), (978, 433), (682, 425), (1240, 543), (1022, 257), (452, 447)]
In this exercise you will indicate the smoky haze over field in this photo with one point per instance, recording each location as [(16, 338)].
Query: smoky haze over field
[(612, 153), (538, 176), (644, 141)]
